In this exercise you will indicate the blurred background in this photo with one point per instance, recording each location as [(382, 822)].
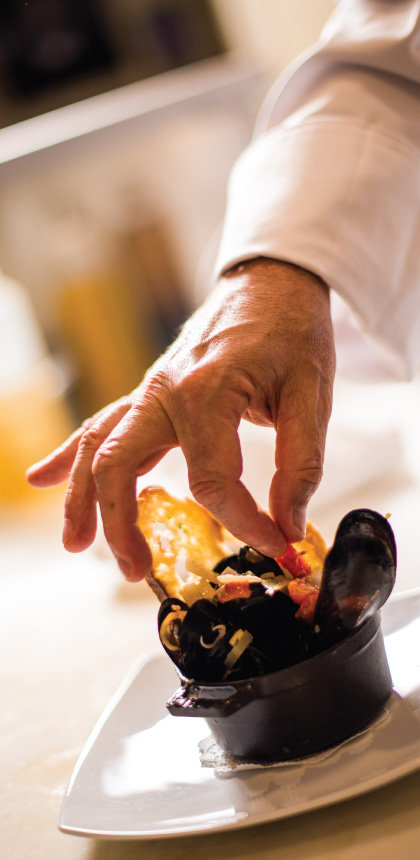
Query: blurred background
[(119, 123)]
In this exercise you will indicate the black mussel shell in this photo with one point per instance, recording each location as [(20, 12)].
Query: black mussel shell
[(249, 560), (359, 572), (369, 523), (170, 619), (205, 643)]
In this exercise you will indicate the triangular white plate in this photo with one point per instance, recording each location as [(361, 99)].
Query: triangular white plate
[(142, 772)]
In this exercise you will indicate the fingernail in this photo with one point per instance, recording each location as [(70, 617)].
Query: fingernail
[(68, 530), (299, 519)]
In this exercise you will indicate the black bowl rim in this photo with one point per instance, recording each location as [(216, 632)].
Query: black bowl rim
[(296, 674)]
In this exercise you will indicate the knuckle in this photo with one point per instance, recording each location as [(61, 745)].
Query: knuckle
[(153, 393), (210, 492), (311, 468), (315, 458), (87, 424), (90, 440), (156, 381), (72, 496), (310, 478), (193, 382), (214, 387), (105, 457)]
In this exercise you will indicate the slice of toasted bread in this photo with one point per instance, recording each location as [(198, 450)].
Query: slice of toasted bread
[(182, 531), (177, 530)]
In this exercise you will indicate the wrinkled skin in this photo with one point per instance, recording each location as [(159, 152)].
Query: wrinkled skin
[(260, 348)]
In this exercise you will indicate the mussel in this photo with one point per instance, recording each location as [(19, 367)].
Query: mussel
[(358, 574), (249, 560), (172, 612), (204, 643), (258, 632), (270, 616), (244, 637)]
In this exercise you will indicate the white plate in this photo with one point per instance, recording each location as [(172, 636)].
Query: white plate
[(142, 773)]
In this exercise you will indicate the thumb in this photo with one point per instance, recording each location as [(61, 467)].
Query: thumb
[(300, 445)]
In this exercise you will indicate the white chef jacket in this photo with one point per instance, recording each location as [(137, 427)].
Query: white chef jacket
[(331, 180)]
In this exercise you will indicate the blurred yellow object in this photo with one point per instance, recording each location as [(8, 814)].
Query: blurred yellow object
[(110, 344), (33, 415), (34, 419), (98, 326)]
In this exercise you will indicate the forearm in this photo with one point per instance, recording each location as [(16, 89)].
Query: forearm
[(332, 179)]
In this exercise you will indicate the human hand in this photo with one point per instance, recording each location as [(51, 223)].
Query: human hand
[(260, 348)]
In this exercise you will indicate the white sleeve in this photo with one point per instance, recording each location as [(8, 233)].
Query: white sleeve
[(331, 180)]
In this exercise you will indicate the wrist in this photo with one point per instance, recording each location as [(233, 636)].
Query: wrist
[(281, 276)]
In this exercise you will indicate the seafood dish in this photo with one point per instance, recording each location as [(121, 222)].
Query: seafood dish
[(298, 635)]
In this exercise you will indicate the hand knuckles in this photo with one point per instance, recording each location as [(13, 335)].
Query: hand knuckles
[(106, 458), (209, 492), (213, 389), (156, 382), (308, 480), (193, 383), (91, 439), (87, 424)]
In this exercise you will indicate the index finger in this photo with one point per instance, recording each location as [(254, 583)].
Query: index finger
[(141, 439), (210, 443)]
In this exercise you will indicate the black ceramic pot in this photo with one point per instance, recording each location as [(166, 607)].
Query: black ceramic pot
[(299, 710)]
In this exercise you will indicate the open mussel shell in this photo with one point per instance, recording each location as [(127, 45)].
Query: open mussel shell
[(200, 638), (364, 521), (249, 560), (207, 638), (359, 572), (171, 615)]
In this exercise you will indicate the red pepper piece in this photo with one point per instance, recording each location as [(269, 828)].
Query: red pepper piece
[(306, 595), (300, 589), (294, 562), (306, 611)]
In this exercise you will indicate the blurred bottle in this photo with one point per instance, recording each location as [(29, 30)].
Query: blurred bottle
[(147, 260), (110, 346), (34, 417)]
